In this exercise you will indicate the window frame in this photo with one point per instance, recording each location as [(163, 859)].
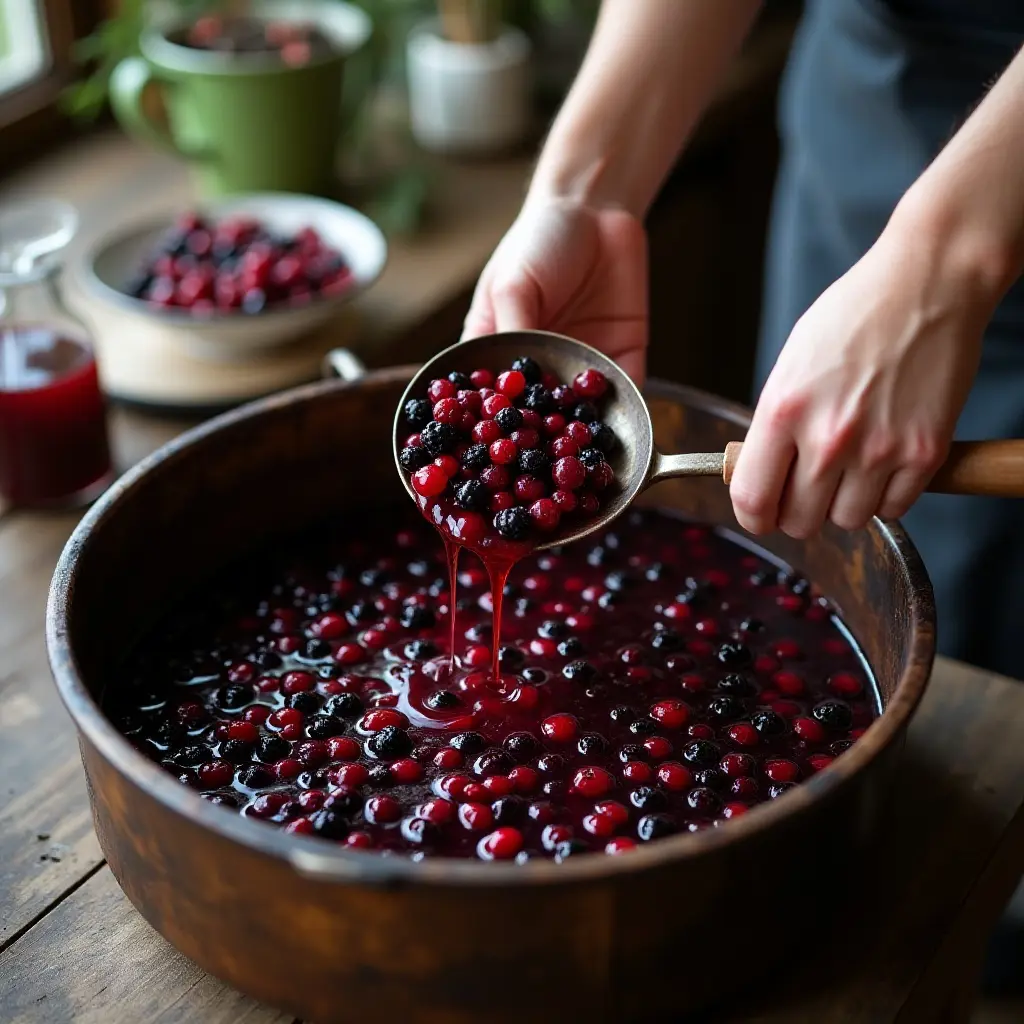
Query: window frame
[(30, 118)]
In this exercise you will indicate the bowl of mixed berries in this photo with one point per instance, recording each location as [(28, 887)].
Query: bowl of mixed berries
[(239, 275)]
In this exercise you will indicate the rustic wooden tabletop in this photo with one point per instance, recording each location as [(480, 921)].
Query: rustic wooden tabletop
[(73, 949)]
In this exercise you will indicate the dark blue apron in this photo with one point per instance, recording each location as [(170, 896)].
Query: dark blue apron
[(872, 92)]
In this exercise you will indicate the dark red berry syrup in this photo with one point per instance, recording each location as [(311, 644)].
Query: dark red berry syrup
[(53, 428), (658, 679)]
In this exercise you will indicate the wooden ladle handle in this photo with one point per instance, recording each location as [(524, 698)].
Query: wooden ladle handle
[(991, 468)]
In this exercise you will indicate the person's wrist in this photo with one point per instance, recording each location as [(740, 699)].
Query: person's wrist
[(974, 259)]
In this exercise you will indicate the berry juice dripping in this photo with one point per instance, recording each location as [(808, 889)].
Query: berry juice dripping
[(659, 679)]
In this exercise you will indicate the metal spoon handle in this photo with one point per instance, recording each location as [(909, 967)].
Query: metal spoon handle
[(985, 468)]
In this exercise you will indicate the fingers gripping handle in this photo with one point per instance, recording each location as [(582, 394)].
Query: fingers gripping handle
[(989, 468)]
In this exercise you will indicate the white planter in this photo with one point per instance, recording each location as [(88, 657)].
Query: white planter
[(469, 98)]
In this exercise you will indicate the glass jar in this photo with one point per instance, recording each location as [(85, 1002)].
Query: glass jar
[(54, 447)]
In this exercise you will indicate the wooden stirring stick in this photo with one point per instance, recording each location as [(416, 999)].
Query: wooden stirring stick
[(992, 469)]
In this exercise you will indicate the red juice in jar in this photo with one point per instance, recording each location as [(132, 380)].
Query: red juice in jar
[(53, 432)]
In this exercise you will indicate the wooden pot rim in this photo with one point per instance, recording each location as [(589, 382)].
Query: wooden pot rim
[(313, 857)]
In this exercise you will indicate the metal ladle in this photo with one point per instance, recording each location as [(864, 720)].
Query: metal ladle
[(992, 468)]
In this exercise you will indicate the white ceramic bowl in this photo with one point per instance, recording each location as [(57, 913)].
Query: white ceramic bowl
[(224, 336)]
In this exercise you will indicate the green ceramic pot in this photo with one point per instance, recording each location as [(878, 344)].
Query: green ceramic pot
[(245, 122)]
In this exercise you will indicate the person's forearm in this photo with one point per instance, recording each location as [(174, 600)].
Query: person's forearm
[(651, 69), (969, 203)]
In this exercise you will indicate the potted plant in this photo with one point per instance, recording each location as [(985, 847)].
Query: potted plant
[(469, 79)]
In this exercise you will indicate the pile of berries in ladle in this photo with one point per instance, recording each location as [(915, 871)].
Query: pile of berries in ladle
[(516, 451)]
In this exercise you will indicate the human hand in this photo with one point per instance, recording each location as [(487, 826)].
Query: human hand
[(572, 269), (860, 408)]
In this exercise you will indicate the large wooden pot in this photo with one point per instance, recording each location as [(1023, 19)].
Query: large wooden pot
[(336, 936)]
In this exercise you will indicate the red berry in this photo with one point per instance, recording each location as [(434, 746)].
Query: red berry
[(436, 810), (588, 503), (565, 501), (601, 476), (382, 810), (619, 845), (673, 714), (563, 447), (657, 747), (590, 384), (329, 626), (342, 748), (448, 757), (448, 410), (349, 654), (244, 731), (532, 420), (257, 714), (430, 481), (406, 770), (215, 774), (743, 734), (569, 473), (524, 438), (579, 432), (486, 431), (677, 610), (351, 774), (448, 464), (592, 782), (381, 718), (503, 451), (559, 728), (736, 764), (693, 683), (359, 840), (789, 683), (297, 682), (502, 844), (475, 817), (313, 753), (554, 425), (598, 826), (440, 389), (498, 785), (700, 731), (511, 383), (481, 378), (529, 489), (501, 500), (819, 761), (477, 656), (524, 779), (734, 810), (545, 514), (809, 730), (470, 401), (494, 478), (779, 770), (674, 776), (287, 769), (286, 716), (846, 684), (493, 405), (636, 771), (612, 810)]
